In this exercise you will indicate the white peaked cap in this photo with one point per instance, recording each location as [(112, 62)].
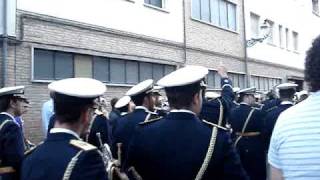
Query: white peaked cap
[(143, 86), (287, 86), (125, 100), (183, 76), (78, 87)]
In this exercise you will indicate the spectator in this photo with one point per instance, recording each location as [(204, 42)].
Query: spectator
[(294, 151), (46, 113)]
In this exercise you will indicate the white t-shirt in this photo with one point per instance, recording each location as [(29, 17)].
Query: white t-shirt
[(295, 142)]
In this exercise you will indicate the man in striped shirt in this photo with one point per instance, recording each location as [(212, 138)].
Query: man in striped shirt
[(294, 151)]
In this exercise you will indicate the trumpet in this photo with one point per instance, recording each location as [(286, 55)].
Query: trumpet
[(112, 165)]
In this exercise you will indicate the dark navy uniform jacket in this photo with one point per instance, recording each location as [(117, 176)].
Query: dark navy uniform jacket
[(50, 160), (11, 146), (250, 144), (125, 128), (211, 109), (271, 119), (52, 120), (268, 105), (175, 147), (113, 116), (100, 124)]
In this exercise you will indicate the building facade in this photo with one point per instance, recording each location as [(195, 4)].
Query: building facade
[(122, 42), (292, 26)]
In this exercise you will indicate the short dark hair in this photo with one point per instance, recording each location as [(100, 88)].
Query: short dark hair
[(287, 93), (138, 99), (312, 66), (181, 96), (68, 109), (123, 109), (4, 102), (113, 102), (242, 95)]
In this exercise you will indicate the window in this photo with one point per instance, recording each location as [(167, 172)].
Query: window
[(238, 80), (132, 69), (287, 38), (295, 41), (213, 80), (315, 6), (217, 12), (254, 19), (270, 38), (63, 65), (280, 36), (264, 83), (157, 3), (82, 66), (53, 65), (101, 69), (117, 72)]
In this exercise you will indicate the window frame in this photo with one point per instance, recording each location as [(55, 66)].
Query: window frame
[(315, 7), (265, 82), (163, 7), (295, 41), (170, 67), (218, 25)]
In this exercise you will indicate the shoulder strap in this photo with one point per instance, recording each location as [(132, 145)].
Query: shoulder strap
[(220, 113), (215, 125), (209, 154), (82, 145), (150, 121), (4, 123), (72, 163), (90, 126), (28, 152), (244, 126)]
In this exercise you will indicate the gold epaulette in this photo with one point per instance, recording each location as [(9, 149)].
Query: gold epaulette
[(215, 125), (150, 121), (82, 145), (28, 152)]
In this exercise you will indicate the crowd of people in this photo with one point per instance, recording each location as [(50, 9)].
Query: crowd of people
[(170, 129)]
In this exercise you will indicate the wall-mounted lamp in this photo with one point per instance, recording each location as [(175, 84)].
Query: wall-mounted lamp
[(265, 32)]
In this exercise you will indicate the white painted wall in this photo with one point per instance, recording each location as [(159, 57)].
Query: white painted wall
[(123, 15), (296, 15)]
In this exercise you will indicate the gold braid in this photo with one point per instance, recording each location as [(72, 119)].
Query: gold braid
[(72, 163)]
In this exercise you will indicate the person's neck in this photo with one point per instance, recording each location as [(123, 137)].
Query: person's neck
[(11, 112), (185, 108), (73, 127), (286, 99)]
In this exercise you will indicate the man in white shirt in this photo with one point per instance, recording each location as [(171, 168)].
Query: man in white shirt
[(46, 113), (294, 151)]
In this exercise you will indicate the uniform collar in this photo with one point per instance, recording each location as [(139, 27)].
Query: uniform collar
[(63, 130), (182, 111), (243, 103), (143, 108), (123, 113), (5, 113), (12, 118), (286, 103)]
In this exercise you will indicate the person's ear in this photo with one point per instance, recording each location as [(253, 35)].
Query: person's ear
[(85, 116), (12, 103), (196, 98)]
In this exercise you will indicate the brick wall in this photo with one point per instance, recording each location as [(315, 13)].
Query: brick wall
[(206, 45), (37, 31)]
